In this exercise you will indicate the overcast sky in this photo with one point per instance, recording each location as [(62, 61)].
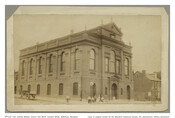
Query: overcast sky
[(144, 33)]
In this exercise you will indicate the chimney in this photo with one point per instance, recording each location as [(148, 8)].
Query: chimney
[(71, 31), (144, 72)]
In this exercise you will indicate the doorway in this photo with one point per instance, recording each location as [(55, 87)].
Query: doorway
[(93, 90), (114, 91), (128, 93)]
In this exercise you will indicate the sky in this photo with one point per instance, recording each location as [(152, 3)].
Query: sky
[(142, 31)]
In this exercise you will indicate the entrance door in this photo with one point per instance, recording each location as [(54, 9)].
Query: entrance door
[(93, 90), (114, 91), (128, 93)]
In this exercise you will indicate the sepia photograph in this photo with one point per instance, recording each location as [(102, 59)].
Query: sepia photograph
[(87, 59)]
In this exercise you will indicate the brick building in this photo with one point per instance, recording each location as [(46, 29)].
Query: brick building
[(89, 63), (147, 86)]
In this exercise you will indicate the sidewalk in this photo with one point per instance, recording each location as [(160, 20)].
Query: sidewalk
[(60, 101)]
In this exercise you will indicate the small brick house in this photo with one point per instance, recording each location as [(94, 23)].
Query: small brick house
[(146, 86)]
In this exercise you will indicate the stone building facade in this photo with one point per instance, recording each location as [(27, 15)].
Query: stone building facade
[(89, 63)]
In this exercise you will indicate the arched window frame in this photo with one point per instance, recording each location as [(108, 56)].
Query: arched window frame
[(117, 63), (92, 59), (31, 67), (48, 89), (61, 89), (50, 63), (63, 61), (40, 65), (126, 66), (77, 58), (112, 61), (23, 68), (38, 89), (75, 88)]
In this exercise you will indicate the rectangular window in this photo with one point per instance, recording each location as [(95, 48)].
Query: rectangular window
[(107, 64), (117, 66)]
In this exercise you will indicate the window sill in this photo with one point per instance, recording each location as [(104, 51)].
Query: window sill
[(30, 76), (112, 73), (76, 71), (50, 74), (62, 73), (92, 72), (40, 75)]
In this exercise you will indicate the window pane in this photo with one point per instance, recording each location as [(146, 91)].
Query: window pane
[(117, 66), (61, 89), (112, 61), (126, 66), (75, 89), (92, 60), (106, 64)]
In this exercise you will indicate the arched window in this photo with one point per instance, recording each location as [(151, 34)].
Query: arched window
[(40, 65), (92, 59), (75, 88), (107, 64), (112, 61), (38, 89), (51, 63), (29, 88), (23, 68), (63, 61), (77, 58), (117, 66), (21, 89), (49, 89), (31, 67), (15, 89), (61, 89), (126, 66)]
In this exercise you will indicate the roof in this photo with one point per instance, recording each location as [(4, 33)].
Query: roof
[(152, 78), (71, 38)]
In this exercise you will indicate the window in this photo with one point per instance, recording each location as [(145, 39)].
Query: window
[(31, 67), (23, 68), (29, 88), (121, 91), (92, 60), (21, 89), (61, 89), (49, 89), (112, 61), (126, 66), (77, 58), (40, 65), (51, 63), (117, 66), (107, 64), (63, 61), (106, 90), (38, 89), (75, 88), (15, 89)]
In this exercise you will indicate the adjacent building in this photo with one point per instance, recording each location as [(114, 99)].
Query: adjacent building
[(88, 63), (147, 86)]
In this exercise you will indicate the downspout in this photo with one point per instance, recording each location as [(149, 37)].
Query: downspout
[(101, 63)]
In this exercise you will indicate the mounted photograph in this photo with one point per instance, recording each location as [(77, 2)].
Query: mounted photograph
[(87, 59)]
